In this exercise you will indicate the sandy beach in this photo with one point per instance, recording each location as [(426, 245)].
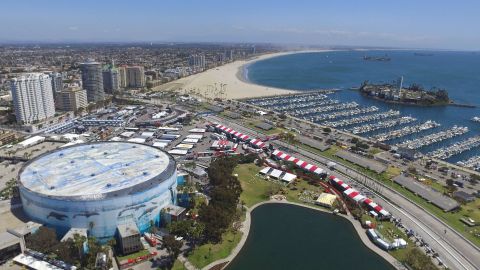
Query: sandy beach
[(231, 74)]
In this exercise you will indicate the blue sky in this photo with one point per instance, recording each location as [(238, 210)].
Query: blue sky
[(422, 23)]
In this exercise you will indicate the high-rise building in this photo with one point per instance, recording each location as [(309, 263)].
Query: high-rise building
[(72, 99), (230, 55), (32, 98), (111, 79), (92, 80), (221, 57), (135, 76), (122, 71), (57, 82), (197, 61)]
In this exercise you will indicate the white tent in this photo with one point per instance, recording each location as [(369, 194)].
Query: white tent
[(137, 140), (288, 177), (265, 170), (276, 173)]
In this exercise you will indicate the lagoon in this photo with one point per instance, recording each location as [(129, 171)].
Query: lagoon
[(284, 236)]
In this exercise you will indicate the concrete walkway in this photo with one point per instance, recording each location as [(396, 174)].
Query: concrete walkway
[(186, 262), (245, 229)]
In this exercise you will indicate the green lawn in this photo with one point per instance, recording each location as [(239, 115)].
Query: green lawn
[(202, 255), (272, 131), (390, 231), (133, 255), (178, 265), (255, 188)]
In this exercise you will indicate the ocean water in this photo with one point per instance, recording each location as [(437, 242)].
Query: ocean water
[(292, 237), (457, 72)]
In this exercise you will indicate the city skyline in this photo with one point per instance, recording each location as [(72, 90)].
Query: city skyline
[(426, 24)]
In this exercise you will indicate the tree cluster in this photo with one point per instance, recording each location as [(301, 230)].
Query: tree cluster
[(70, 251), (219, 214), (417, 260)]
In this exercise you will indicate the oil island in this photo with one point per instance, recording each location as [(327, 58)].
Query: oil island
[(413, 95)]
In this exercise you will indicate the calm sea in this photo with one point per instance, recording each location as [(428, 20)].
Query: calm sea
[(292, 237), (457, 72)]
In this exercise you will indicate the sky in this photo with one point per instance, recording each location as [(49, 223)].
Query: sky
[(442, 24)]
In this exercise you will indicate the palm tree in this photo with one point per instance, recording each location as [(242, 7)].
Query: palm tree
[(79, 241)]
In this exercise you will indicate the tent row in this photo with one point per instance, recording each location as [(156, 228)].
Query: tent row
[(300, 163), (356, 196), (278, 174), (257, 143), (232, 132)]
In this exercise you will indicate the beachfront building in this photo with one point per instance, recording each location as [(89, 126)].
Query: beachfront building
[(197, 61), (92, 80), (32, 98)]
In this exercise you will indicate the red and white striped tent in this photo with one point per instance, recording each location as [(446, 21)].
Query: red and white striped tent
[(376, 207), (340, 182), (234, 133), (300, 163), (358, 197), (354, 195), (257, 143)]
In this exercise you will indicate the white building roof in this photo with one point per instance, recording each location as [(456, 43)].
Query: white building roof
[(147, 134), (34, 263), (184, 146), (137, 140), (197, 130), (127, 134), (31, 141), (160, 144), (194, 136), (92, 169), (180, 152), (190, 141)]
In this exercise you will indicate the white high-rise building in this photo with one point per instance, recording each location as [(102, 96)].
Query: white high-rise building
[(32, 98), (197, 61)]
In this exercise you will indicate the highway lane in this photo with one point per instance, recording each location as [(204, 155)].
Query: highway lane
[(454, 251)]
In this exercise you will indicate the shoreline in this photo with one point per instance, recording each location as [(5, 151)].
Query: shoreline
[(208, 84), (246, 230)]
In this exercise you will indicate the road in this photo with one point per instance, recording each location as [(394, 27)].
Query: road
[(455, 251)]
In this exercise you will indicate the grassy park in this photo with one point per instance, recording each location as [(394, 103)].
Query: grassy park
[(202, 255)]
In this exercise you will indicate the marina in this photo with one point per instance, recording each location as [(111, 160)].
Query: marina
[(345, 113), (382, 125), (405, 131), (456, 148), (471, 163), (309, 114), (307, 105), (318, 107), (363, 119), (433, 138)]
